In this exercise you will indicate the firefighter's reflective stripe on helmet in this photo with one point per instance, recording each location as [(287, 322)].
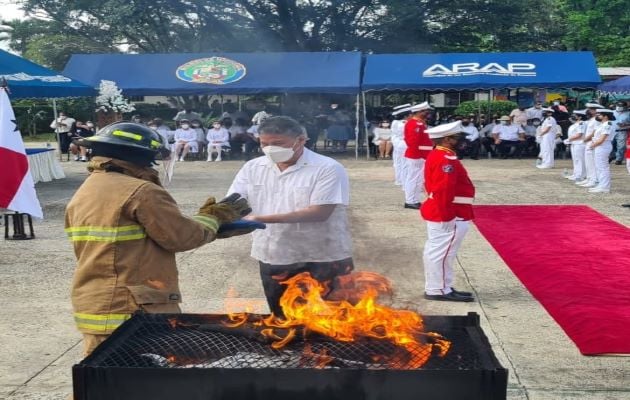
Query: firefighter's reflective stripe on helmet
[(139, 138), (129, 135), (105, 234), (100, 322)]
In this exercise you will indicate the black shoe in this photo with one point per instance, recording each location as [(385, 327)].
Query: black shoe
[(627, 205), (461, 293), (415, 206), (449, 297)]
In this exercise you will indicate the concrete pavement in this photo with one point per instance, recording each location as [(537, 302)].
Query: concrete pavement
[(39, 343)]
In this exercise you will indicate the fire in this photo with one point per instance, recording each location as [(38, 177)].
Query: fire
[(349, 314)]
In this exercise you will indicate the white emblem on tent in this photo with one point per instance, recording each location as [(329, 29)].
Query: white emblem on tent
[(466, 69)]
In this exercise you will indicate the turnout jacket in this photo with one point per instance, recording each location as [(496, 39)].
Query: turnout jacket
[(418, 143), (125, 229), (450, 192)]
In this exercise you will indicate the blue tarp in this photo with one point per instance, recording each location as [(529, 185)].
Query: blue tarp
[(29, 80), (470, 71), (618, 86), (221, 73)]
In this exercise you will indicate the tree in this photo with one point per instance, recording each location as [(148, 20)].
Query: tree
[(602, 26)]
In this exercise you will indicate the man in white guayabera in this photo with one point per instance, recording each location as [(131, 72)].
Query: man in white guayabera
[(302, 196)]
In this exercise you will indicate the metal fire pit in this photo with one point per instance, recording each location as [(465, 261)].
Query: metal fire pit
[(150, 358)]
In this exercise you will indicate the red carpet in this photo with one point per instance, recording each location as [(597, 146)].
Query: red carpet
[(575, 261)]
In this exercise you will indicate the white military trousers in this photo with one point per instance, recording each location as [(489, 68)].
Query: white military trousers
[(398, 157), (602, 167), (443, 241), (547, 147), (589, 164), (577, 156), (413, 184)]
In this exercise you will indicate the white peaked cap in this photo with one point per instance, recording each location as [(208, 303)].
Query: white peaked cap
[(547, 109), (402, 106), (401, 110), (421, 107), (579, 112), (604, 111), (593, 105), (444, 130)]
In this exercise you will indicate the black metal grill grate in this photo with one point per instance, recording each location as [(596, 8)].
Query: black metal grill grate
[(151, 341)]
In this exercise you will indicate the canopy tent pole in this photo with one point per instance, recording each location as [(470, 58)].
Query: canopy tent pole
[(356, 129), (365, 128), (54, 103)]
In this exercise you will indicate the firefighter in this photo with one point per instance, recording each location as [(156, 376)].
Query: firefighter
[(418, 147), (126, 228), (447, 211)]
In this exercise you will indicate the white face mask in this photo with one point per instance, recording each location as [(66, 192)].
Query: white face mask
[(503, 122), (385, 125), (90, 125), (216, 126), (279, 154), (185, 126), (619, 109), (556, 103)]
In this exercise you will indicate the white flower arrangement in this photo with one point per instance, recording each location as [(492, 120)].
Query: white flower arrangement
[(110, 98)]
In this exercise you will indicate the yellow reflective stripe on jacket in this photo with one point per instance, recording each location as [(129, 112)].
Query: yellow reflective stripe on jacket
[(207, 221), (100, 322), (105, 234)]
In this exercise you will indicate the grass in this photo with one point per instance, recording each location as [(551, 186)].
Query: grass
[(42, 137)]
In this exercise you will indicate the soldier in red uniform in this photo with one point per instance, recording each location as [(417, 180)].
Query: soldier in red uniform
[(418, 147), (447, 211)]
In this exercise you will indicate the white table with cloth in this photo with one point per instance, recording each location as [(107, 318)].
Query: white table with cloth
[(44, 165)]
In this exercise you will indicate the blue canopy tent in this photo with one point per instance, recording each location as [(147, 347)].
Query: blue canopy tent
[(478, 71), (29, 80), (471, 71), (223, 73), (618, 86)]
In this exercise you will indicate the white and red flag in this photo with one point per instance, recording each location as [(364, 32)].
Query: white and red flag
[(17, 190)]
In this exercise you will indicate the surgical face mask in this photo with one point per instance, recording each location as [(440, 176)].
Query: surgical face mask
[(503, 122), (334, 106), (385, 125), (556, 103), (279, 154), (535, 123), (90, 125), (619, 109), (153, 127), (185, 126), (216, 126)]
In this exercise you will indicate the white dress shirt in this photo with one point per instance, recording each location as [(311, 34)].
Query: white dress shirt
[(508, 132), (472, 133), (313, 180), (577, 128)]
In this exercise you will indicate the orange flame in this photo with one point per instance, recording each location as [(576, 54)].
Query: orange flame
[(353, 314)]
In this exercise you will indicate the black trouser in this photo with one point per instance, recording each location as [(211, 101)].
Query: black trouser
[(487, 143), (272, 275), (471, 149), (64, 142), (510, 148)]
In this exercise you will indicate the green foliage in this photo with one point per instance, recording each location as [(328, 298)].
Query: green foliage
[(499, 107), (602, 26)]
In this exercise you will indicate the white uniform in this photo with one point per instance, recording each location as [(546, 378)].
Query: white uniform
[(601, 154), (548, 143), (577, 150), (589, 155), (398, 154)]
